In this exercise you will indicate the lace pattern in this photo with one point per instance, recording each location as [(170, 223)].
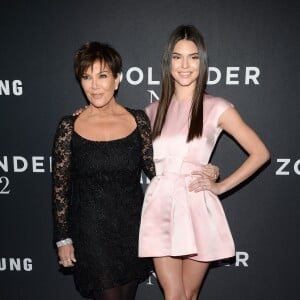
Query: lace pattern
[(61, 177), (144, 126), (61, 169)]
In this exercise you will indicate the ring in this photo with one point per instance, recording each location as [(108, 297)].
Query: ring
[(62, 261)]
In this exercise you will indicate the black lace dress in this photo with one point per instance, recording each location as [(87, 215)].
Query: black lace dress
[(97, 200)]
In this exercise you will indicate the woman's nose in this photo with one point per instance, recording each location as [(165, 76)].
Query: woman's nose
[(94, 83), (185, 62)]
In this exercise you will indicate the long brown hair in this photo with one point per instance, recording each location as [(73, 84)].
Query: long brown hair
[(190, 33)]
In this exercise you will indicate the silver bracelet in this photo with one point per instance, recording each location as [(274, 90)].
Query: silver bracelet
[(65, 242)]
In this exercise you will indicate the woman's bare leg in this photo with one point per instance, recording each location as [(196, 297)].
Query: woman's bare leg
[(169, 272), (193, 273)]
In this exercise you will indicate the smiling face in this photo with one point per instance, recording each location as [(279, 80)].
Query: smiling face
[(185, 64), (99, 84)]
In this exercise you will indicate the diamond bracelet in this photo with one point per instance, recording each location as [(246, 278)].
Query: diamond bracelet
[(61, 243)]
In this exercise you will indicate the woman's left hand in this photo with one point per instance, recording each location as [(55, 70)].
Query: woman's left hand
[(209, 171), (200, 184), (205, 179)]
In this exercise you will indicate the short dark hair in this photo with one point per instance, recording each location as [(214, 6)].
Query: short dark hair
[(91, 52)]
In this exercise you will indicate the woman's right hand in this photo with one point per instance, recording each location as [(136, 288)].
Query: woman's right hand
[(77, 112), (66, 255)]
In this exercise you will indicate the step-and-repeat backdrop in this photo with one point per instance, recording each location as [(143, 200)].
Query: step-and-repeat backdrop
[(254, 62)]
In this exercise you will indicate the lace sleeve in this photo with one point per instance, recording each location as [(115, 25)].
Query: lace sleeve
[(147, 150), (61, 178)]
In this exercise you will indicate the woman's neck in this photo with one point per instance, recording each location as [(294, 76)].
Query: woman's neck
[(111, 109), (184, 93)]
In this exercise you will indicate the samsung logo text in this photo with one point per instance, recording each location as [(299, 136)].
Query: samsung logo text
[(15, 264), (11, 87)]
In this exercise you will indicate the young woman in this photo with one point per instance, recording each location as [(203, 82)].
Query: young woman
[(183, 225)]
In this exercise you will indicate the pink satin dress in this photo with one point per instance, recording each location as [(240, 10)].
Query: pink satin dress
[(176, 222)]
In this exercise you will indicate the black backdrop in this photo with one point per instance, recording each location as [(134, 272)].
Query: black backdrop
[(254, 58)]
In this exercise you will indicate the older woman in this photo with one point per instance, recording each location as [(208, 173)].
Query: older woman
[(97, 197)]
